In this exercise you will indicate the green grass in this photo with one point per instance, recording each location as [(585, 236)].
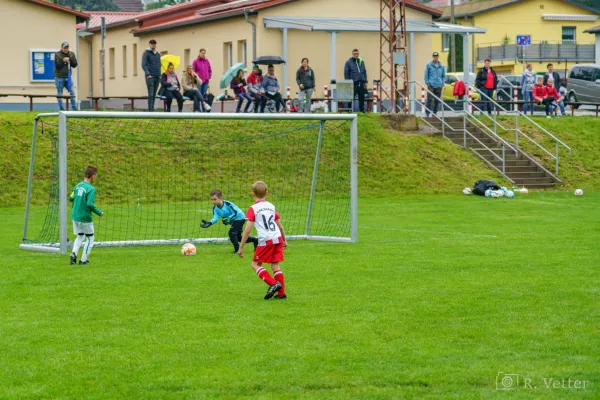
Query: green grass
[(440, 294)]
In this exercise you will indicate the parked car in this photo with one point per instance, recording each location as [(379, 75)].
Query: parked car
[(451, 79), (584, 83), (505, 90)]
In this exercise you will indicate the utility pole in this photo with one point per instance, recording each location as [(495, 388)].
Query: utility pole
[(452, 39)]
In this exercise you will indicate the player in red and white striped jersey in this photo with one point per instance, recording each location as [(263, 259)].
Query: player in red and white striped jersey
[(271, 241)]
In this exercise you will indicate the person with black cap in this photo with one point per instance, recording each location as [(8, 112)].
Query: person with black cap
[(152, 72), (435, 78), (64, 60)]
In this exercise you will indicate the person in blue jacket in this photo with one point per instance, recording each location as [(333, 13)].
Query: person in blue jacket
[(230, 214), (356, 70), (435, 78)]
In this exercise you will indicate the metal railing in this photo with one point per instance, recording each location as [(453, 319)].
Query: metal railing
[(541, 51), (518, 132), (493, 130)]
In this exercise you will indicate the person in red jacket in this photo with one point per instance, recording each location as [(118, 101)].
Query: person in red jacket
[(539, 94), (555, 97), (254, 80)]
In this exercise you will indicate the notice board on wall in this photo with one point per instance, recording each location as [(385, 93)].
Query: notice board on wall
[(41, 65)]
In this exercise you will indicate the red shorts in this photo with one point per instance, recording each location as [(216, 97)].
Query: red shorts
[(271, 253)]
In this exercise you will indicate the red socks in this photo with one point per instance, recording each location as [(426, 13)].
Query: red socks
[(279, 278), (265, 276)]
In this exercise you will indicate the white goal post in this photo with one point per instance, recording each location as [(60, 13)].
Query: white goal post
[(314, 144)]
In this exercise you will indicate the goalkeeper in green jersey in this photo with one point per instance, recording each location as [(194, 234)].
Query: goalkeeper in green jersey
[(82, 198)]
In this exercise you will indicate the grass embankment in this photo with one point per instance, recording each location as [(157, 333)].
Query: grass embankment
[(390, 163)]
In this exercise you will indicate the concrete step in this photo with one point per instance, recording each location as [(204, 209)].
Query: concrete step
[(542, 185), (513, 163), (526, 174), (516, 169), (532, 181), (473, 143)]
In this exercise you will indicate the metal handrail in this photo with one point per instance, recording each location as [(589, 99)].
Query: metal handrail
[(494, 134), (557, 140), (433, 95)]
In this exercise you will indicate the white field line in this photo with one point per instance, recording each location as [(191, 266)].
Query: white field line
[(428, 232)]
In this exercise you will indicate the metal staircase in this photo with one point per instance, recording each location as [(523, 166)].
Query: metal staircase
[(480, 135)]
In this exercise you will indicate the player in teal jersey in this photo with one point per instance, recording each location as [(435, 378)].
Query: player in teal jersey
[(82, 198)]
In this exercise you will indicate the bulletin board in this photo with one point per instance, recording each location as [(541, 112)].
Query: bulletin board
[(41, 65)]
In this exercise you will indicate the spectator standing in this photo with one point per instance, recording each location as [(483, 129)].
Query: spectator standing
[(356, 70), (203, 70), (552, 74), (254, 82), (151, 68), (487, 82), (170, 82), (190, 83), (238, 84), (305, 77), (64, 60), (270, 87), (435, 78), (527, 84)]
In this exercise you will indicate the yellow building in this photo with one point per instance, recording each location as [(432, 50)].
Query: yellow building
[(32, 31), (554, 27), (324, 31)]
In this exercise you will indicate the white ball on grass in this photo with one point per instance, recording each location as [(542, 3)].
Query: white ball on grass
[(578, 192), (188, 249)]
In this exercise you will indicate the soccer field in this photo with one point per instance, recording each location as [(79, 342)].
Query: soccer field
[(440, 296)]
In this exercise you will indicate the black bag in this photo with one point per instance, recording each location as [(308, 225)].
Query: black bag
[(482, 185), (210, 98)]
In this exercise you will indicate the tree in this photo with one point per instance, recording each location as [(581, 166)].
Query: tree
[(458, 40), (164, 3), (89, 5)]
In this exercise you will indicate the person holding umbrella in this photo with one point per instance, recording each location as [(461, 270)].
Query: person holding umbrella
[(238, 85), (171, 85), (270, 86), (64, 60)]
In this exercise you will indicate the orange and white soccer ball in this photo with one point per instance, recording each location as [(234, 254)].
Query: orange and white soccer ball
[(188, 249)]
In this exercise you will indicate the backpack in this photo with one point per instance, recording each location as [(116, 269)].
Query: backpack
[(482, 185)]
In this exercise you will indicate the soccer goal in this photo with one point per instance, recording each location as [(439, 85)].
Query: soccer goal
[(156, 172)]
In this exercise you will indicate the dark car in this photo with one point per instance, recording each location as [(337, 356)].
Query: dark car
[(504, 92)]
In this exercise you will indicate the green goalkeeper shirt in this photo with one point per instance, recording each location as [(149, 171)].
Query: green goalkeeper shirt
[(83, 202)]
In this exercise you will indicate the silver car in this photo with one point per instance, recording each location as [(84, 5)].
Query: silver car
[(584, 83)]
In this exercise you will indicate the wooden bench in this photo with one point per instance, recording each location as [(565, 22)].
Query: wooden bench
[(36, 96), (132, 99)]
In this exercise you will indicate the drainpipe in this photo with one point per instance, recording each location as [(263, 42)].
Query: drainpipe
[(473, 55), (247, 16)]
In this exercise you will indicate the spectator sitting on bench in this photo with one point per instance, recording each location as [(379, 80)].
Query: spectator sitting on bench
[(238, 85), (539, 95), (171, 86), (556, 99), (191, 88), (270, 87), (254, 80)]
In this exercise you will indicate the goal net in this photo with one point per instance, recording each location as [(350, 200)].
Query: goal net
[(156, 172)]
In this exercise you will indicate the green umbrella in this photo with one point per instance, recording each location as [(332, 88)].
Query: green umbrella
[(230, 74)]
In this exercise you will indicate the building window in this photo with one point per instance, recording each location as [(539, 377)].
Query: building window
[(135, 59), (227, 55), (568, 34), (186, 58), (124, 61), (111, 63), (445, 41), (241, 49)]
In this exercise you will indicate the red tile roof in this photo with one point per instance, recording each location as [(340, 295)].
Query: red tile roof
[(79, 14), (110, 18), (208, 11)]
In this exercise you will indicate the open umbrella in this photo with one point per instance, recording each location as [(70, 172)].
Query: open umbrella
[(169, 59), (230, 74), (267, 60)]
